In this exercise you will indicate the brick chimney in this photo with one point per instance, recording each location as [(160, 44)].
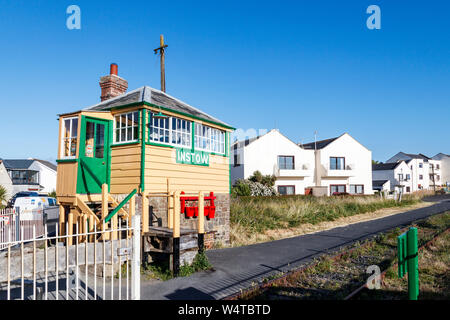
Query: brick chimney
[(112, 85)]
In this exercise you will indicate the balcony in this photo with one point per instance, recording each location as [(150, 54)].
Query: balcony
[(348, 171), (302, 170)]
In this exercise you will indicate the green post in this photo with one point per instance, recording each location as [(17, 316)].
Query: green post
[(413, 264), (408, 261)]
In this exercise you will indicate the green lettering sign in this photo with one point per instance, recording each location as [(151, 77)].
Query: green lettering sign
[(197, 158)]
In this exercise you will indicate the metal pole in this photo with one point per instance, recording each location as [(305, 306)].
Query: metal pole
[(413, 264), (136, 259)]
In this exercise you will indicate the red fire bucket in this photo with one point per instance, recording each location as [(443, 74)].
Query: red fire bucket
[(189, 212), (196, 211), (212, 212)]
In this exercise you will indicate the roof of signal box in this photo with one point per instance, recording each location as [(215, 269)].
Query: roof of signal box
[(157, 98)]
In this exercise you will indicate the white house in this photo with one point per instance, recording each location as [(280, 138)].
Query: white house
[(381, 185), (397, 173), (342, 164), (339, 164), (422, 172), (273, 153), (443, 169), (30, 175)]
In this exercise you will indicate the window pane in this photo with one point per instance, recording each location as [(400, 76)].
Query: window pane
[(74, 128), (89, 145), (100, 141)]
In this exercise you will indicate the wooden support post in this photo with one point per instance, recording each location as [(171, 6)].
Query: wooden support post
[(176, 216), (62, 220), (176, 234), (169, 205), (201, 222), (91, 228), (145, 213)]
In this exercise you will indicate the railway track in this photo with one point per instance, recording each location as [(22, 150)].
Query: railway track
[(263, 287)]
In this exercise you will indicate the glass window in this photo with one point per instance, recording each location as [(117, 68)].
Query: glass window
[(286, 162), (356, 189), (209, 139), (337, 188), (337, 163), (100, 140), (126, 127), (69, 139), (170, 130), (89, 144), (286, 190)]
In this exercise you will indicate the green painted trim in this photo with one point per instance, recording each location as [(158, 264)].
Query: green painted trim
[(109, 155), (143, 138), (92, 173), (228, 153), (160, 145), (125, 144), (116, 209), (66, 160), (193, 136)]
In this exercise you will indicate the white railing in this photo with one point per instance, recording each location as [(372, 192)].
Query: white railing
[(12, 226), (49, 269)]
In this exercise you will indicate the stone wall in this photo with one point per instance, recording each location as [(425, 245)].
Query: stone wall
[(217, 229)]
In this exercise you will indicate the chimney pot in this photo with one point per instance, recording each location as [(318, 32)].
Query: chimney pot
[(114, 69)]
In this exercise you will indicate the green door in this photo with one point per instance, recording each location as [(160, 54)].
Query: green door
[(93, 167)]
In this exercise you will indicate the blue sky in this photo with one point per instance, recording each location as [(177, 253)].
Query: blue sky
[(301, 66)]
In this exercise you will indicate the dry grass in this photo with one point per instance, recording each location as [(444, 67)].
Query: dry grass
[(261, 219)]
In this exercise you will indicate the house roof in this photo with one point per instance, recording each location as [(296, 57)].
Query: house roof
[(320, 144), (416, 156), (157, 98), (378, 183), (18, 164), (385, 166), (24, 164), (246, 142), (47, 164)]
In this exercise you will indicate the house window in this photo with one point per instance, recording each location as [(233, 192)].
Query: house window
[(286, 162), (437, 167), (357, 189), (286, 190), (408, 177), (209, 139), (170, 130), (400, 177), (24, 176), (337, 188), (438, 177), (70, 136), (237, 160), (126, 127), (420, 177), (420, 165), (337, 163), (408, 189)]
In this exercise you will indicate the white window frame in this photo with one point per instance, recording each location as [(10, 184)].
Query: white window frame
[(215, 139), (133, 138), (185, 134), (71, 137)]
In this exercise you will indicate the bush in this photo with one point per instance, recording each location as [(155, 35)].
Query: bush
[(244, 188), (267, 180)]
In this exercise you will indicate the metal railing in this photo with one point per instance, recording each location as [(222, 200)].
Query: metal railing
[(50, 269)]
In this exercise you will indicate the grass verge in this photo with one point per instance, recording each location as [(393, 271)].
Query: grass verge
[(258, 219), (335, 278)]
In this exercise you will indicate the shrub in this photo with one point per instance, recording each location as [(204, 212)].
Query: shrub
[(267, 180), (3, 195), (241, 189)]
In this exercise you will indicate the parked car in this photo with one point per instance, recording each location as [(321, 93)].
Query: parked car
[(20, 195), (29, 206)]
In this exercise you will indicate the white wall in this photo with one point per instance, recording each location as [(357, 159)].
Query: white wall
[(356, 155), (445, 167), (47, 176), (6, 182)]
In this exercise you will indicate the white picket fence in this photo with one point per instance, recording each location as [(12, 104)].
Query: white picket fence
[(47, 268)]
